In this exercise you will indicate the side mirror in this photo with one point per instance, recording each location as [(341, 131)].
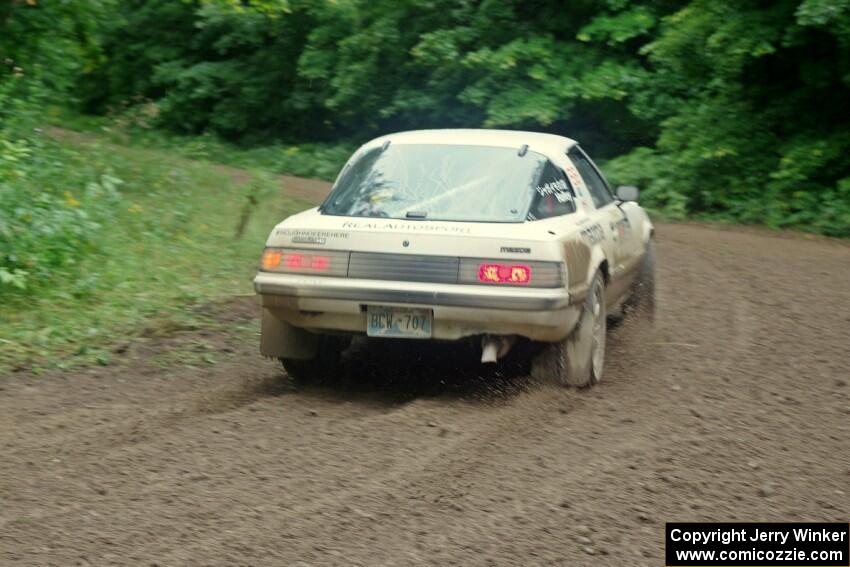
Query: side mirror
[(627, 193)]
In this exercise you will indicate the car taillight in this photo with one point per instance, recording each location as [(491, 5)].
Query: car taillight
[(518, 274), (307, 262), (271, 259), (331, 262), (511, 272)]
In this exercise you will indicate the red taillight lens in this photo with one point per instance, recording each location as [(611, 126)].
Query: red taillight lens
[(518, 274), (276, 260), (320, 263), (293, 261), (306, 262)]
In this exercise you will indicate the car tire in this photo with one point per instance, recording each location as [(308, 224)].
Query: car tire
[(642, 300), (578, 360), (326, 365)]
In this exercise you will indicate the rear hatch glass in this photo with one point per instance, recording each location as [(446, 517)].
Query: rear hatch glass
[(439, 182)]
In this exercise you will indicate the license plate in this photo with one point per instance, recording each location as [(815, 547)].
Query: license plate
[(398, 322)]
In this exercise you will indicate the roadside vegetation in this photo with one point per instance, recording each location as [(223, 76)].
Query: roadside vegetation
[(132, 128), (101, 242)]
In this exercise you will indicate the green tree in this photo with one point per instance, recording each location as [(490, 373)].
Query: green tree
[(754, 126)]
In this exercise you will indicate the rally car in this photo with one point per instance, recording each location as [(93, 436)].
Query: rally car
[(484, 235)]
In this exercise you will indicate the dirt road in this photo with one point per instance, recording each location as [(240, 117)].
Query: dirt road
[(736, 406)]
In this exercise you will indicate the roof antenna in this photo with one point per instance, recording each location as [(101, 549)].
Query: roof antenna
[(385, 146), (523, 150)]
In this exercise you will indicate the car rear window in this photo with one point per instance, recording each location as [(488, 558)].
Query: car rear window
[(439, 182)]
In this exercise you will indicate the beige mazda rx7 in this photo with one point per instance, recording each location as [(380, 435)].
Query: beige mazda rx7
[(484, 235)]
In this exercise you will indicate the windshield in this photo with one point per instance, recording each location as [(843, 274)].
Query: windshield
[(438, 182)]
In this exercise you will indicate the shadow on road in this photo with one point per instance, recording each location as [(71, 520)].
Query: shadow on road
[(396, 372), (393, 372)]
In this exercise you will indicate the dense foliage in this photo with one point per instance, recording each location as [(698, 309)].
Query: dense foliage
[(731, 110), (50, 212)]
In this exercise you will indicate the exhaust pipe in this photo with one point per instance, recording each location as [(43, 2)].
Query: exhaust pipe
[(494, 348)]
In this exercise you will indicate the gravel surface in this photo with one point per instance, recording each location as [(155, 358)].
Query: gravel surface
[(734, 406)]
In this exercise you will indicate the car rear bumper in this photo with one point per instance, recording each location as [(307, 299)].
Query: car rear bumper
[(339, 304), (383, 292)]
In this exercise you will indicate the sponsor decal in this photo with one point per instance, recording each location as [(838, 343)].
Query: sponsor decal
[(575, 178), (299, 236), (593, 233), (406, 227), (622, 228), (308, 240), (625, 228), (558, 188), (552, 187)]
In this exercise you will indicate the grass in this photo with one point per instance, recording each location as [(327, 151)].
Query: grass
[(132, 129), (172, 245)]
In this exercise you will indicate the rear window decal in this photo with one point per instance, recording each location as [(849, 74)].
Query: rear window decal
[(552, 188)]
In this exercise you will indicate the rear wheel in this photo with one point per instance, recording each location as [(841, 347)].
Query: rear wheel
[(324, 366), (579, 359)]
